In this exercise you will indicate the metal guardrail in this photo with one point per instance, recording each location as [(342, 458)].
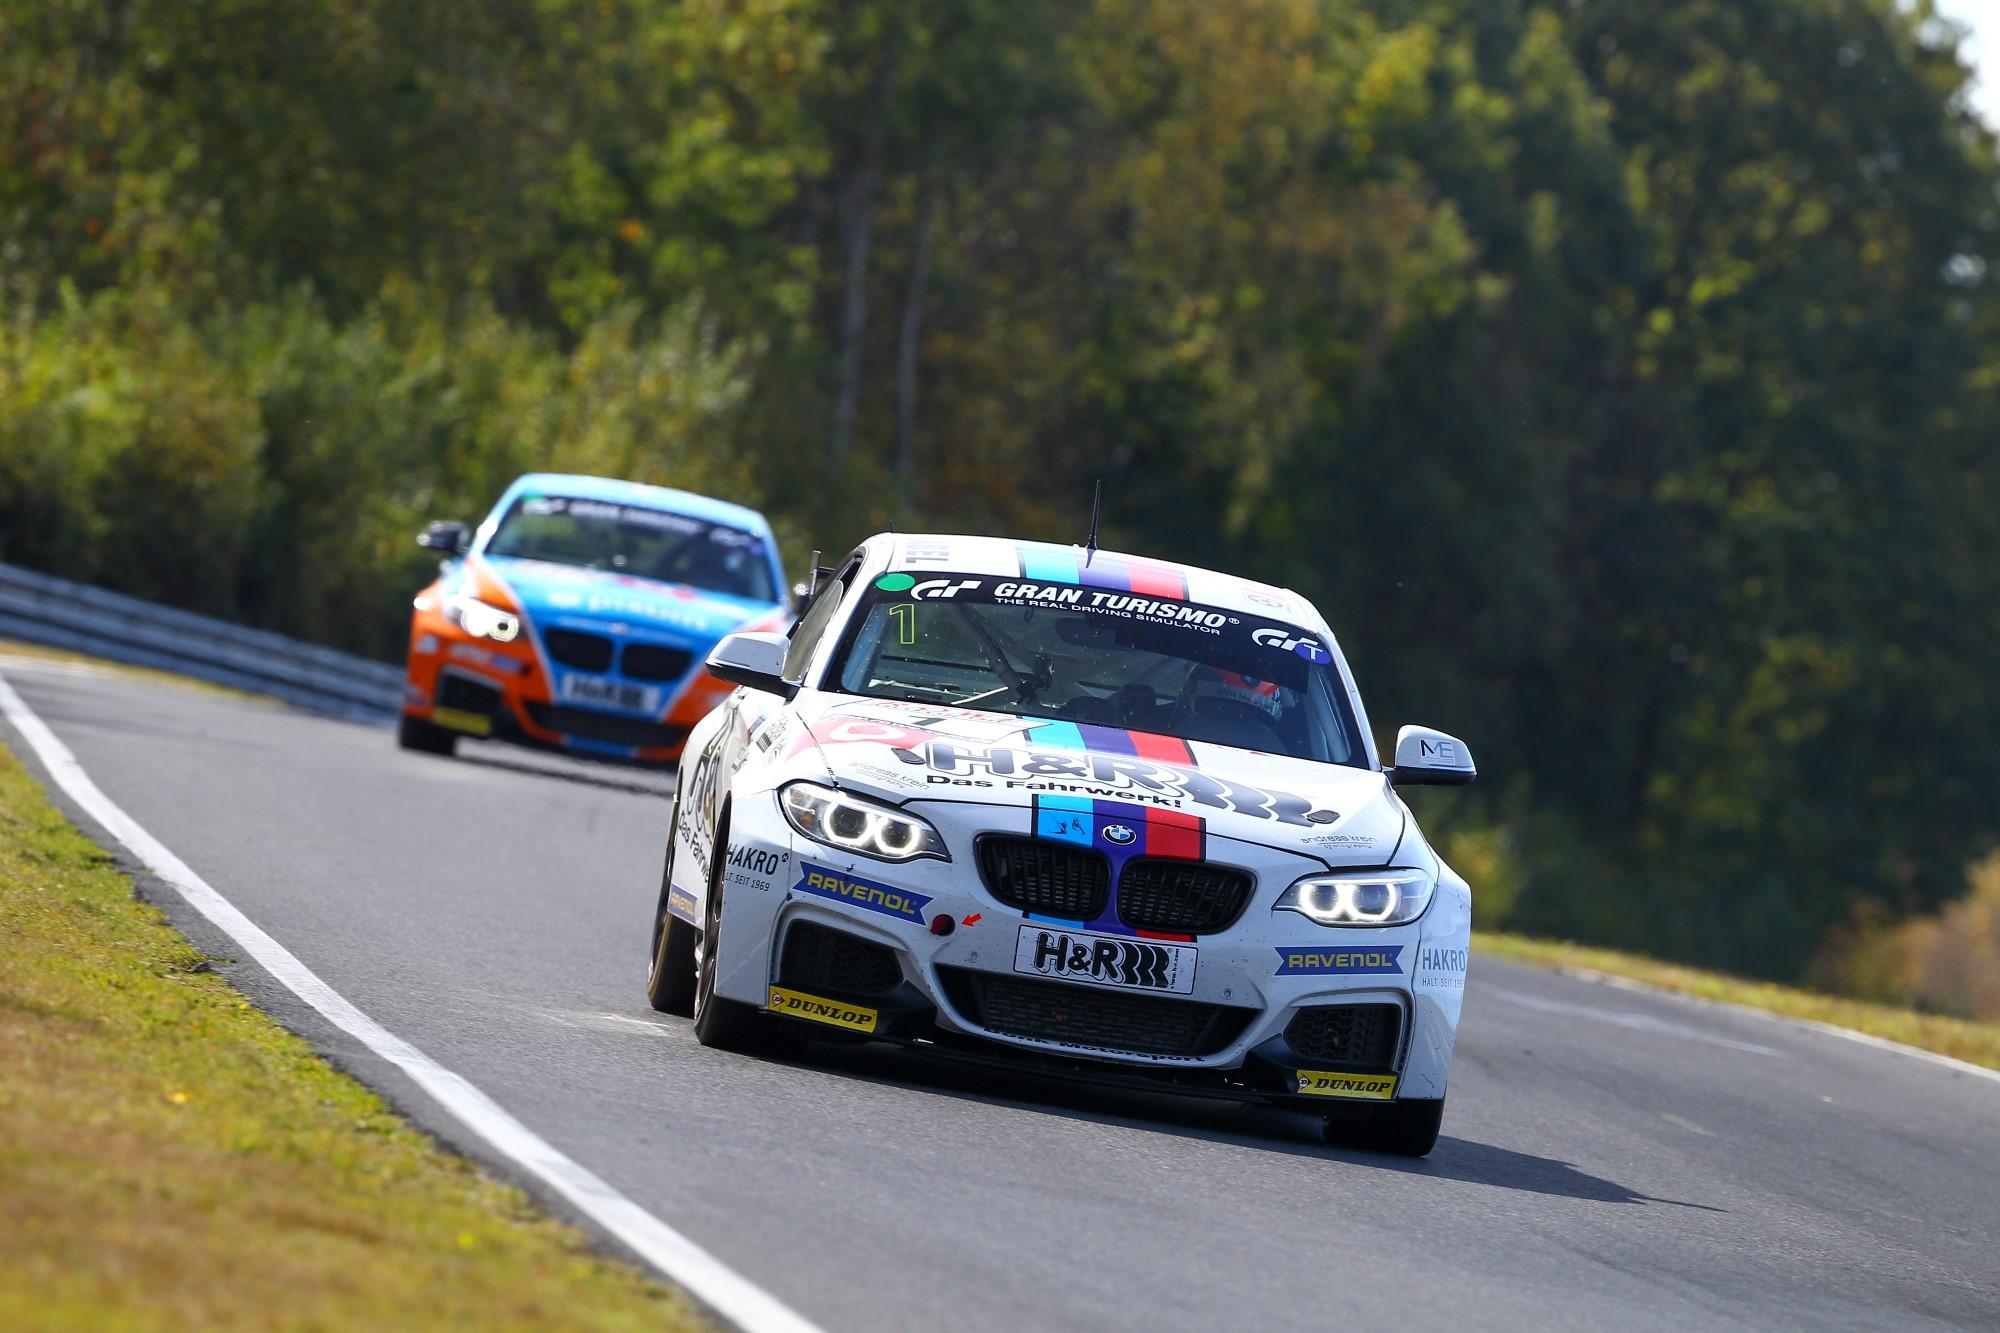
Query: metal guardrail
[(37, 608)]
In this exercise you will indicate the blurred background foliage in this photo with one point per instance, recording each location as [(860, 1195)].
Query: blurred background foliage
[(1618, 377)]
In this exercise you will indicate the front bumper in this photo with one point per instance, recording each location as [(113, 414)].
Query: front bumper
[(503, 692), (1234, 1032)]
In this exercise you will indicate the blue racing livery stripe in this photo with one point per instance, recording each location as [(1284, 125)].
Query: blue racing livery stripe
[(1058, 736), (1064, 819), (1047, 564), (1110, 740)]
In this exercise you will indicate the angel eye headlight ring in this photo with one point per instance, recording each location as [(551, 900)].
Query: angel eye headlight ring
[(856, 824), (1390, 897)]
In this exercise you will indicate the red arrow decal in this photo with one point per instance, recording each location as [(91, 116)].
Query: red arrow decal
[(972, 920)]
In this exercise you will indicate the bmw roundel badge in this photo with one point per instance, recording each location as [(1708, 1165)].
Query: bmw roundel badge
[(1119, 833)]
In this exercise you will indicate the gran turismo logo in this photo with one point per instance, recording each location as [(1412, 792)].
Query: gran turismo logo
[(938, 590), (1310, 649)]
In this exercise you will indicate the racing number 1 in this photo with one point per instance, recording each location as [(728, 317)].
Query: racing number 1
[(905, 616)]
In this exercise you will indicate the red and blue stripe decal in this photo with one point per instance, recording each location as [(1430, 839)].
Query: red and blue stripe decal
[(1059, 735), (1121, 830), (1101, 569)]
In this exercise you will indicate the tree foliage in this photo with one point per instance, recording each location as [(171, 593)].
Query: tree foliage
[(1618, 377)]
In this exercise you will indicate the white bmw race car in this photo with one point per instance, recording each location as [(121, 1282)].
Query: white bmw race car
[(1109, 817)]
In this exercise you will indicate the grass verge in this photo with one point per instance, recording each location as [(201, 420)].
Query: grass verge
[(1976, 1043), (171, 1158)]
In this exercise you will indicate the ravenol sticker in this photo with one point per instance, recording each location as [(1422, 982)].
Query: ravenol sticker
[(1373, 959), (1359, 1087), (866, 893), (814, 1009), (681, 904)]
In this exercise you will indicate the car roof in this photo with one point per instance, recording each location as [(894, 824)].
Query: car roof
[(915, 553), (613, 491)]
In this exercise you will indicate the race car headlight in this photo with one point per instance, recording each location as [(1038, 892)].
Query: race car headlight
[(1361, 897), (482, 620), (854, 824)]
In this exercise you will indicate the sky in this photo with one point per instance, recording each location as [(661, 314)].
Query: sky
[(1982, 45)]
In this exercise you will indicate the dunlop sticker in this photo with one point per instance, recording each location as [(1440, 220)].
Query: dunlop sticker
[(797, 1004), (1362, 1087), (477, 724)]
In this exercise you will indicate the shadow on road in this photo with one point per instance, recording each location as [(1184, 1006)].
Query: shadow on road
[(1489, 1164), (1266, 1129)]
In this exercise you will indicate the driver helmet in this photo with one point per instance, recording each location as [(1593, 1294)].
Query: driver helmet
[(1206, 682)]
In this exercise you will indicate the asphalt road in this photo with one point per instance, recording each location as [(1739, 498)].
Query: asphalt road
[(1610, 1159)]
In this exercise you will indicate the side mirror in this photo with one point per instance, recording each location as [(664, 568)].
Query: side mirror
[(447, 536), (756, 660), (1427, 758)]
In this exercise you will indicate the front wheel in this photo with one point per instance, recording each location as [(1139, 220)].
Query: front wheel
[(670, 986), (1407, 1129), (720, 1023), (413, 733)]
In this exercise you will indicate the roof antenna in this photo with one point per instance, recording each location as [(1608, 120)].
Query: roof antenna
[(1096, 504)]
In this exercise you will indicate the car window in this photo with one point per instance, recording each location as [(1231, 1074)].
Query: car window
[(1098, 656), (812, 628), (632, 539)]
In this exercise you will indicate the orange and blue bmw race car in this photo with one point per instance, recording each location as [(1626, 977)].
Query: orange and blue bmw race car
[(578, 617)]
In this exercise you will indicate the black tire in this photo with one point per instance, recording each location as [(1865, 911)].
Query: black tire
[(413, 733), (719, 1023), (1406, 1129), (670, 984)]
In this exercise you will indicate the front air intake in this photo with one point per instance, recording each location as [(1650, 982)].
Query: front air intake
[(826, 961), (1181, 897), (1091, 1017), (1350, 1036), (1040, 875)]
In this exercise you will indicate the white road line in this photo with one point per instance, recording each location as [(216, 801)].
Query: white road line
[(715, 1285)]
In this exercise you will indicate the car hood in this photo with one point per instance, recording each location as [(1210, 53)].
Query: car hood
[(921, 752), (554, 594)]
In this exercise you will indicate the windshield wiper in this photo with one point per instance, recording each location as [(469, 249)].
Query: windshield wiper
[(1024, 690)]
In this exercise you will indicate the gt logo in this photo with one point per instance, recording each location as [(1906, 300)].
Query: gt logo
[(1310, 649), (935, 590)]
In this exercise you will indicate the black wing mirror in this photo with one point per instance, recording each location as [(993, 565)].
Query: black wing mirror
[(445, 535), (754, 659)]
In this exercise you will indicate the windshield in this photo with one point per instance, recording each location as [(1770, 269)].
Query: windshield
[(1115, 659), (630, 539)]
